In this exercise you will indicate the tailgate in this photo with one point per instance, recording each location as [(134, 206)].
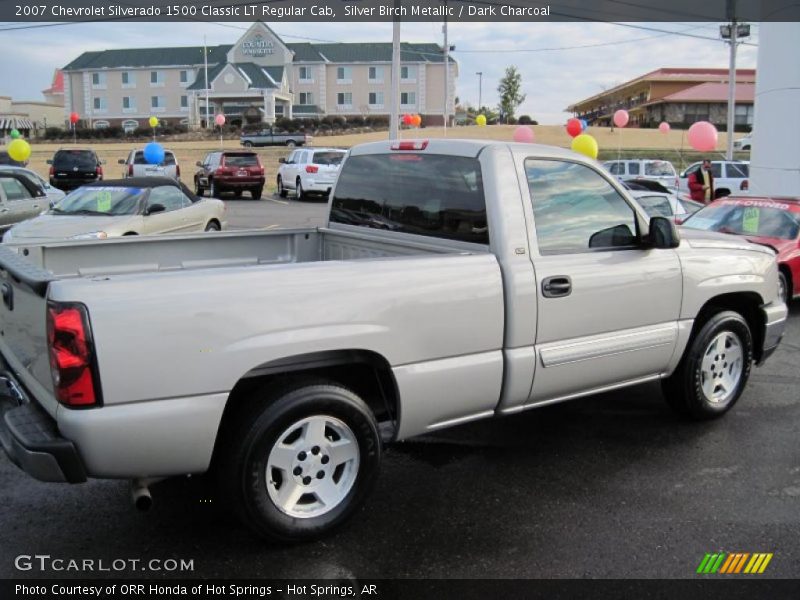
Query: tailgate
[(23, 325)]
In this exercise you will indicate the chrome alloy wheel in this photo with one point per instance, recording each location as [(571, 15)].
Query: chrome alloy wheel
[(721, 368), (312, 466)]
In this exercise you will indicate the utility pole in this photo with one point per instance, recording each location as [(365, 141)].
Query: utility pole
[(480, 89), (732, 32), (394, 118), (208, 84), (446, 71)]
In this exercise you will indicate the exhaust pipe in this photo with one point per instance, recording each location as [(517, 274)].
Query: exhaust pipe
[(140, 493)]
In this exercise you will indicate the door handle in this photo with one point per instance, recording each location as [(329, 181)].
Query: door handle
[(3, 210), (557, 286)]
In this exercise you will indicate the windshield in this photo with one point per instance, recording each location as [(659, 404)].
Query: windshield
[(328, 158), (75, 159), (138, 158), (761, 219), (103, 201), (241, 160), (655, 206), (659, 168)]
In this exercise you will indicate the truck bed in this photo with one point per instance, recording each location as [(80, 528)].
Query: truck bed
[(202, 251)]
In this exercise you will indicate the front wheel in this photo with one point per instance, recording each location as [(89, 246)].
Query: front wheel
[(301, 194), (301, 460), (714, 369), (214, 191), (212, 226), (783, 288), (248, 144), (291, 144), (282, 191)]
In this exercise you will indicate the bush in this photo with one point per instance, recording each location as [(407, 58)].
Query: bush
[(526, 120), (512, 120)]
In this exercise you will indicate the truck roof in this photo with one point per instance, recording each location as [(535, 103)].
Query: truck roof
[(465, 147)]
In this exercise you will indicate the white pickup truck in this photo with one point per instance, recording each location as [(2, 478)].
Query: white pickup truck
[(454, 281)]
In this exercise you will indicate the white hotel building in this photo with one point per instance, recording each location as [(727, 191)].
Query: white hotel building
[(257, 79)]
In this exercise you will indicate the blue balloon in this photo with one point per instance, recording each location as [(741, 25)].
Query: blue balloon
[(584, 124), (154, 153)]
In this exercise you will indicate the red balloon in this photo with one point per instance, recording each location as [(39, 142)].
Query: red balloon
[(574, 127), (74, 118), (408, 120)]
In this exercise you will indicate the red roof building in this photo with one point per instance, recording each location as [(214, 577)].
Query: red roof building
[(55, 93), (678, 96)]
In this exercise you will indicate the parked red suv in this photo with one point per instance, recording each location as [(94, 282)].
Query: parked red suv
[(230, 172)]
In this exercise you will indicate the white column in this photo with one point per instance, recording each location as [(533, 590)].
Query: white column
[(775, 158)]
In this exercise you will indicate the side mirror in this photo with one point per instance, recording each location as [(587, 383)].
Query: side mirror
[(282, 161), (199, 164), (120, 161), (662, 234), (155, 208), (49, 161)]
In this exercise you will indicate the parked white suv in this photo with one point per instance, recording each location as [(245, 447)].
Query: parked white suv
[(137, 166), (744, 143), (730, 177), (309, 171), (661, 171)]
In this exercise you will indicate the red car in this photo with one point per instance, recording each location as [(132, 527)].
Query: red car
[(773, 222), (230, 172)]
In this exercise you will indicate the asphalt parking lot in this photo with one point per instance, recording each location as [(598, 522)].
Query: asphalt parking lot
[(612, 486)]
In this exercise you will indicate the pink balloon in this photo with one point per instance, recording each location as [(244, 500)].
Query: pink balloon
[(523, 135), (220, 119), (621, 118), (664, 127), (702, 136)]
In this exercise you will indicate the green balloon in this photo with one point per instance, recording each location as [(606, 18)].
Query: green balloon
[(14, 134)]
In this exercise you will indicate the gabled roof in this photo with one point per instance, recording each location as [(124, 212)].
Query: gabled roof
[(200, 82), (260, 77), (57, 86)]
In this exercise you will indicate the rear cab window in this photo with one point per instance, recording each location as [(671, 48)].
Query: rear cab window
[(169, 158), (424, 194), (243, 159), (70, 159), (738, 170)]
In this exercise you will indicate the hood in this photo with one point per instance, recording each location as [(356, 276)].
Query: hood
[(781, 246), (62, 227), (697, 238)]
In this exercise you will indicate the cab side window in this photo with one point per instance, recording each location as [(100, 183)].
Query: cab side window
[(633, 168), (13, 189), (171, 197), (576, 209)]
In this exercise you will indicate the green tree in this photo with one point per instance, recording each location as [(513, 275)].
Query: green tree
[(510, 90)]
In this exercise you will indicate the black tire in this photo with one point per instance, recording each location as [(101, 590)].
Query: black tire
[(723, 193), (199, 190), (212, 226), (257, 193), (301, 194), (237, 193), (291, 144), (783, 285), (282, 191), (253, 434), (214, 190), (248, 144), (684, 389)]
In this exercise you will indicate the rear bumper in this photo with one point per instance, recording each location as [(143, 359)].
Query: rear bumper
[(775, 317), (30, 437), (239, 182), (318, 187)]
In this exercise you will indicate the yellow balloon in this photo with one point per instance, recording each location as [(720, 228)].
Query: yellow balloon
[(586, 145), (480, 121), (153, 121), (19, 150)]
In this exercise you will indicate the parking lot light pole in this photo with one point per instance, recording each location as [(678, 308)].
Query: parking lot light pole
[(394, 119), (480, 88)]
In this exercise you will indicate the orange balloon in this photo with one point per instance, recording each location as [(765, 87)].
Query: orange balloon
[(417, 120)]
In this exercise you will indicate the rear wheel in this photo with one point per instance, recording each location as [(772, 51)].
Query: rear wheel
[(783, 288), (299, 461), (199, 190), (212, 226), (257, 192), (282, 191), (291, 144), (301, 195), (214, 191), (248, 144), (714, 369)]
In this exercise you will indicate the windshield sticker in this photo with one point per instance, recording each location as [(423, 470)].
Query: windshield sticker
[(104, 201), (750, 220), (758, 203)]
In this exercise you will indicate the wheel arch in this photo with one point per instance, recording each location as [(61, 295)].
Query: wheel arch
[(787, 272), (366, 373), (747, 304)]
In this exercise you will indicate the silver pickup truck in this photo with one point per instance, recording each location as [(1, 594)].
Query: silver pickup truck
[(274, 137), (454, 281)]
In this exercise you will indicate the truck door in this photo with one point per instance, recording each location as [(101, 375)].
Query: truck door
[(607, 306)]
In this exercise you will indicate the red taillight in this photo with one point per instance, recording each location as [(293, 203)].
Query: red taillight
[(99, 172), (410, 145), (71, 355), (745, 185), (312, 168), (130, 170), (52, 171)]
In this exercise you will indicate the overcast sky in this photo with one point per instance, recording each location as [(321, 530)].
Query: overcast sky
[(552, 76)]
